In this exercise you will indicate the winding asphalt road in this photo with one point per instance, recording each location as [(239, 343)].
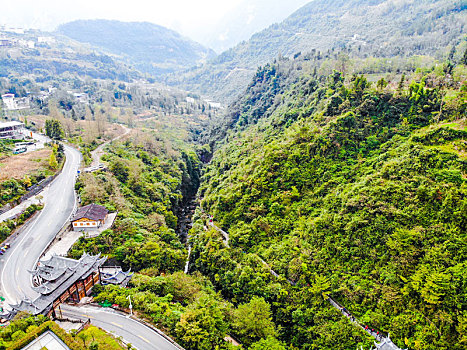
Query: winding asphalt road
[(137, 334), (16, 281), (99, 151)]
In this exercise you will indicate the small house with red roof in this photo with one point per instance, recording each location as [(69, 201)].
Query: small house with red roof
[(89, 217)]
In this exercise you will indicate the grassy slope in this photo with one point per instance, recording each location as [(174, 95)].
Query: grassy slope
[(21, 165)]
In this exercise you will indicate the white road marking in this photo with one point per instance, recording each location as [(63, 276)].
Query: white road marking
[(28, 232), (26, 235)]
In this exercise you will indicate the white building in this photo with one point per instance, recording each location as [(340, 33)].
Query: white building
[(46, 40), (12, 103), (6, 42), (43, 95), (26, 43), (9, 101), (22, 103), (81, 97), (11, 130), (215, 105)]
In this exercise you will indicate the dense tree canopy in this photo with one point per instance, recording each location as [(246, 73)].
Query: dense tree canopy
[(53, 129), (345, 187)]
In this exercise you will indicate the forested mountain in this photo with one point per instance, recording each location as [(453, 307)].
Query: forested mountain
[(347, 188), (338, 171), (150, 47), (380, 28)]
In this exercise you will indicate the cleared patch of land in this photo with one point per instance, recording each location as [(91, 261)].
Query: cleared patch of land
[(20, 165)]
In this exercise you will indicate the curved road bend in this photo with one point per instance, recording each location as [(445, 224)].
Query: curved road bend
[(224, 234), (99, 151), (15, 280), (137, 334)]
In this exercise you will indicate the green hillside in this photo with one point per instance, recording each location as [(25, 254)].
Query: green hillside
[(336, 176), (363, 28), (347, 188), (150, 47)]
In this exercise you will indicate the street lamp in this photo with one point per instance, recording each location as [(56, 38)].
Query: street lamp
[(131, 307)]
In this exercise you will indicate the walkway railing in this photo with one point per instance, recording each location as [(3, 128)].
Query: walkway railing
[(377, 335)]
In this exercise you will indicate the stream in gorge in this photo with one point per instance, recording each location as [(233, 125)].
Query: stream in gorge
[(185, 223)]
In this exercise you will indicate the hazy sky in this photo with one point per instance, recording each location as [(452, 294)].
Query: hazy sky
[(181, 15), (218, 24)]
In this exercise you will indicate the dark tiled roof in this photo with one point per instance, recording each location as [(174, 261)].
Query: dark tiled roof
[(114, 275), (54, 268), (92, 211), (70, 271)]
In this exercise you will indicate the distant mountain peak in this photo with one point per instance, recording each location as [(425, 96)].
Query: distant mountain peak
[(150, 47)]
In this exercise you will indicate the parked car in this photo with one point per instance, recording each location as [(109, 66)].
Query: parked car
[(19, 150)]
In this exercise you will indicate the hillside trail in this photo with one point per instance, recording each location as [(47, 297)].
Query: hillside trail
[(99, 151), (385, 342)]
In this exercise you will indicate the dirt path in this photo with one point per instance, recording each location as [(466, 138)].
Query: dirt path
[(99, 151)]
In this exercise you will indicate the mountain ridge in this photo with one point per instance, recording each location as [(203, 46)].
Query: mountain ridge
[(380, 28), (350, 189), (150, 47)]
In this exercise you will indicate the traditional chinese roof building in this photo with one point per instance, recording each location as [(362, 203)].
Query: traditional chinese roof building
[(60, 279), (386, 344), (114, 275)]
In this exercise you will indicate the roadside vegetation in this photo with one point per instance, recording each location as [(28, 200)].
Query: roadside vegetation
[(24, 329), (340, 172), (8, 226), (20, 172), (94, 338), (19, 329), (345, 186), (188, 308), (147, 183)]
